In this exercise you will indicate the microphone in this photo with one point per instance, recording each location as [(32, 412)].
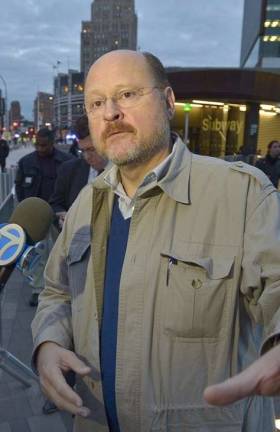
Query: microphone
[(20, 238), (35, 216)]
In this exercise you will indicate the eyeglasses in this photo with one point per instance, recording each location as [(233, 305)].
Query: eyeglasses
[(127, 98)]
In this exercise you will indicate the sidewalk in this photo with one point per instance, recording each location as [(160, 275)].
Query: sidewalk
[(21, 407), (17, 153)]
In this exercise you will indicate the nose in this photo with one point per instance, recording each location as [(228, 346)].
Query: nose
[(112, 111)]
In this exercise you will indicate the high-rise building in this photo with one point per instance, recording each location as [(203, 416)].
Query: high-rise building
[(113, 25), (68, 98), (43, 110), (260, 45), (2, 111), (15, 114)]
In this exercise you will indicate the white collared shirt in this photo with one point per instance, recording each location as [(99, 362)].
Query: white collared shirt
[(92, 174)]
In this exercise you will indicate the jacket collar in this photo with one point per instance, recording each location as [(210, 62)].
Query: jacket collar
[(175, 183)]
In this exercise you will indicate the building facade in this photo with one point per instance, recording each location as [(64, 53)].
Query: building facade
[(260, 45), (222, 112), (2, 111), (43, 110), (270, 46), (113, 25), (68, 98), (15, 114)]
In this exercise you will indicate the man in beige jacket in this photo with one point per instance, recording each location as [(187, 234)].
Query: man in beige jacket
[(165, 278)]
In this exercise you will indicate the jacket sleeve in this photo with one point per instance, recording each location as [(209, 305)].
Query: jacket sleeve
[(259, 163), (53, 320), (19, 182), (260, 282)]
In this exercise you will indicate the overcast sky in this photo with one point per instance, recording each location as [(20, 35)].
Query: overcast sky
[(34, 34)]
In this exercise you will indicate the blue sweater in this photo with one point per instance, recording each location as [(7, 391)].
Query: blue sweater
[(116, 249)]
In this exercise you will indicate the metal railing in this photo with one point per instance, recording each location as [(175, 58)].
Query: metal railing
[(6, 208), (7, 180)]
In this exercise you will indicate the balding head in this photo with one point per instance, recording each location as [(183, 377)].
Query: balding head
[(144, 60), (131, 63), (129, 105)]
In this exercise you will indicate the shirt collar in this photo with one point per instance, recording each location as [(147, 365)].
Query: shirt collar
[(172, 175)]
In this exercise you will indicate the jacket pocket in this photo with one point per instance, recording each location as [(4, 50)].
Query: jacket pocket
[(196, 296), (77, 261)]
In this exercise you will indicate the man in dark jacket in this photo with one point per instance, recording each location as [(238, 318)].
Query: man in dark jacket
[(4, 151), (36, 177), (37, 171), (270, 165), (75, 174)]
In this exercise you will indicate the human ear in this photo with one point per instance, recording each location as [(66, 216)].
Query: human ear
[(170, 101)]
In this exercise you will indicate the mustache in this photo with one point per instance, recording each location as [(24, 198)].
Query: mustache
[(116, 127)]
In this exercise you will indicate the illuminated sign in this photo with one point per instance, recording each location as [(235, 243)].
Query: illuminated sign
[(223, 126), (187, 107)]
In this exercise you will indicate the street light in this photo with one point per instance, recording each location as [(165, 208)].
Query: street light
[(6, 101)]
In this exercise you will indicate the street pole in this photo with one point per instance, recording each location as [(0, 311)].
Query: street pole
[(6, 101), (38, 111), (186, 132)]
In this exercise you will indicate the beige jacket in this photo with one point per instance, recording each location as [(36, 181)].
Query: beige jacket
[(200, 278)]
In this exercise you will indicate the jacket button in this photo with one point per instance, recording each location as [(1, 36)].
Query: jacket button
[(239, 164), (196, 283)]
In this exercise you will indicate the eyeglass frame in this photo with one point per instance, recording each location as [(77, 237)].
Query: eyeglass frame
[(115, 99)]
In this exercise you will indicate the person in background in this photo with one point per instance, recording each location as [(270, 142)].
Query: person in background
[(270, 164), (4, 152), (35, 177), (73, 175), (167, 266), (74, 148)]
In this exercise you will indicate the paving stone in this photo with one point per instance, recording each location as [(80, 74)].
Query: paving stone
[(15, 407), (4, 390), (9, 311), (5, 427), (20, 426), (21, 407), (45, 423)]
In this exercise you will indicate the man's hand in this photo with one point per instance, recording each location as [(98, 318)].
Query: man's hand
[(52, 361), (261, 378)]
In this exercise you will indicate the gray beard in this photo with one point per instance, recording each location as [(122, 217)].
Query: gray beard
[(146, 151)]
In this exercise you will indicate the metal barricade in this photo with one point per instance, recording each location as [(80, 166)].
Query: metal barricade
[(7, 180), (6, 208)]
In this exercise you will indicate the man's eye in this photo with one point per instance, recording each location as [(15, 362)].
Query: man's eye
[(128, 94), (96, 104)]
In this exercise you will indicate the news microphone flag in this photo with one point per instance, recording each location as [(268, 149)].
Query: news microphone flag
[(12, 243)]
